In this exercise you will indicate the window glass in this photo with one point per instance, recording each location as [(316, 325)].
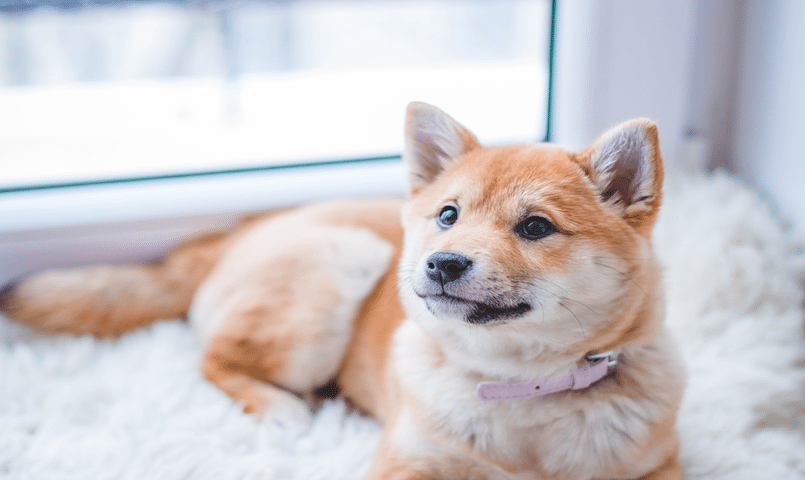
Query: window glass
[(114, 91)]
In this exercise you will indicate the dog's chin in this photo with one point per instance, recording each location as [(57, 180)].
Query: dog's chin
[(478, 313)]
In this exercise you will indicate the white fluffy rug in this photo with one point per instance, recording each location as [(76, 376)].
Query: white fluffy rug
[(138, 408)]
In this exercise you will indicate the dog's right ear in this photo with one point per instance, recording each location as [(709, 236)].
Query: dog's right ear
[(433, 141)]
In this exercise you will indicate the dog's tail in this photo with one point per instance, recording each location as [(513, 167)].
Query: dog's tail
[(108, 300)]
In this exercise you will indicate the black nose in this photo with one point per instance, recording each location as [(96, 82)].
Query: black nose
[(445, 267)]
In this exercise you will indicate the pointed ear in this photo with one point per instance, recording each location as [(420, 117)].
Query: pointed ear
[(625, 166), (433, 141)]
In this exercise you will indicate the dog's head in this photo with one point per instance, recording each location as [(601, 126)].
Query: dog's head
[(544, 247)]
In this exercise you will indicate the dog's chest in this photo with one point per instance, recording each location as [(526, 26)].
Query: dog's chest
[(581, 435), (447, 400), (505, 428)]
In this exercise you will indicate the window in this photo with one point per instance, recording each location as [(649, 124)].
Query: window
[(117, 92), (127, 127)]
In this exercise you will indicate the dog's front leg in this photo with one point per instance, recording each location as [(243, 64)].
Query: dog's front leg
[(395, 465), (671, 470), (408, 453)]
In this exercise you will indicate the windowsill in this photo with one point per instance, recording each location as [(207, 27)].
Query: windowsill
[(28, 211)]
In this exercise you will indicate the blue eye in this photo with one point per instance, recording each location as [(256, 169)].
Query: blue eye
[(448, 215), (534, 228)]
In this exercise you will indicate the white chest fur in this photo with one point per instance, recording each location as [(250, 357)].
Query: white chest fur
[(576, 435)]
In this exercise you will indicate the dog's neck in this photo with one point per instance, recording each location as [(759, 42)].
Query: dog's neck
[(489, 361)]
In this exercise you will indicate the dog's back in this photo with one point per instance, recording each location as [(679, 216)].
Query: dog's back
[(111, 299)]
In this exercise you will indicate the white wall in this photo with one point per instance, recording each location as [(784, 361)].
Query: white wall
[(770, 129), (620, 59), (724, 79)]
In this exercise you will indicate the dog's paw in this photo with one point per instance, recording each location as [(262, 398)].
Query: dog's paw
[(280, 407)]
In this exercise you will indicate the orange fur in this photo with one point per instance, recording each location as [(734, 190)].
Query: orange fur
[(339, 290)]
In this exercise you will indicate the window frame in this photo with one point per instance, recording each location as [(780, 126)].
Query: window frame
[(96, 222)]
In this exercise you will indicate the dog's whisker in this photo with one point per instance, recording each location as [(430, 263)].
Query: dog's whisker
[(625, 276), (581, 326)]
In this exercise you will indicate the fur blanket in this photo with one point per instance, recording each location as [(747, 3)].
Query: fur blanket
[(137, 407)]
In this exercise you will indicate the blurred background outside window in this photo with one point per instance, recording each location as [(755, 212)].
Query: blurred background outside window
[(107, 92)]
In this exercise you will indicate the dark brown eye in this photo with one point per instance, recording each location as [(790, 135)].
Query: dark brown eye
[(534, 228), (447, 216)]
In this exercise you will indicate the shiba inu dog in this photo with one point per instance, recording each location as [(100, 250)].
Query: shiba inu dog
[(503, 322)]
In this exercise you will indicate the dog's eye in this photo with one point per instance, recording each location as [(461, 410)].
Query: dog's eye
[(534, 228), (447, 216)]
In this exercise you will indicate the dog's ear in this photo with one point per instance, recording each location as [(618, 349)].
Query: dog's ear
[(433, 141), (625, 165)]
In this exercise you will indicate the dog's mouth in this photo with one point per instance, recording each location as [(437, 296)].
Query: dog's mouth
[(472, 311)]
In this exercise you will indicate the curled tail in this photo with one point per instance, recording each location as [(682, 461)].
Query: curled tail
[(108, 300)]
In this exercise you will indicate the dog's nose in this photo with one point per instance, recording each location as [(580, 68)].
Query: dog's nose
[(445, 267)]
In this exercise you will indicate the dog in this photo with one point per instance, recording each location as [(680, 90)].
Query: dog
[(505, 321)]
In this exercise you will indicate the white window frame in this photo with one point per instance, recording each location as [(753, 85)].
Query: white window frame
[(140, 220)]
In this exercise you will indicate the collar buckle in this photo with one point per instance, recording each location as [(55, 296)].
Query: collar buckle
[(610, 356)]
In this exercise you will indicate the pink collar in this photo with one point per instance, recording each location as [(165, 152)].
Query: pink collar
[(592, 369)]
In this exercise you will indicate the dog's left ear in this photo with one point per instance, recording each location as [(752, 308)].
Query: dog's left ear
[(625, 165), (433, 142)]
